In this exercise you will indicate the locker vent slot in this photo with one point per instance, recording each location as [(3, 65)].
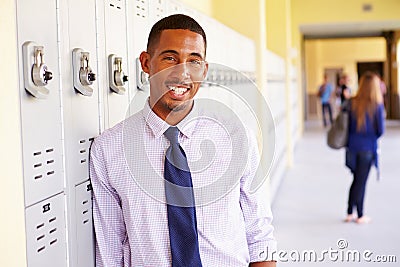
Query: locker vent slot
[(84, 149), (46, 232), (141, 10), (116, 4), (45, 157), (86, 211)]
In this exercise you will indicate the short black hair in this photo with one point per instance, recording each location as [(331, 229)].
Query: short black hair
[(174, 22)]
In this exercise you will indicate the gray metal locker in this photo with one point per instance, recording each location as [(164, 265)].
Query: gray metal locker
[(81, 115), (40, 100), (112, 34), (45, 233), (84, 225), (157, 11), (138, 22)]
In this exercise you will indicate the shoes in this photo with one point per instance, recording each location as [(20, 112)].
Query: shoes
[(363, 220), (350, 218)]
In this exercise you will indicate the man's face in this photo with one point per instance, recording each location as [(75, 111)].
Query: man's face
[(176, 68)]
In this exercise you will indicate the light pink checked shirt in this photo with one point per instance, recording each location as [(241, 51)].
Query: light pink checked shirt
[(129, 210)]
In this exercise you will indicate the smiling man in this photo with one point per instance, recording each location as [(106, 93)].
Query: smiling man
[(161, 195), (177, 56)]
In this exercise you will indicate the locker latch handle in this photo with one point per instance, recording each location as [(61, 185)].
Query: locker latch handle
[(40, 73), (35, 71), (117, 77), (83, 73)]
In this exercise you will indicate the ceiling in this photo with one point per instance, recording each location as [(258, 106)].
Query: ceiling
[(346, 30)]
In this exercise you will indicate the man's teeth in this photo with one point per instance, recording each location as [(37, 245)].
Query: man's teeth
[(178, 90)]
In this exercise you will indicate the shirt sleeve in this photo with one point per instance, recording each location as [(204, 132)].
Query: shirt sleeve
[(380, 120), (257, 212), (108, 220)]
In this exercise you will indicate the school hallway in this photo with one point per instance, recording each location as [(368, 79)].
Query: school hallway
[(311, 203)]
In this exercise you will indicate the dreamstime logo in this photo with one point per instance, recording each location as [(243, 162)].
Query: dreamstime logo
[(230, 116), (338, 254)]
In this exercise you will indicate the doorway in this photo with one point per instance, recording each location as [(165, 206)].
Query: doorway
[(378, 68)]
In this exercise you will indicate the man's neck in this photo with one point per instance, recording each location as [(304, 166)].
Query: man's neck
[(173, 117)]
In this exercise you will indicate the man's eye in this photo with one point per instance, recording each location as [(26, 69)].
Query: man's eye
[(196, 62), (169, 58)]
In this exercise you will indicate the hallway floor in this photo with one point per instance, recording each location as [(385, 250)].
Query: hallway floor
[(310, 206)]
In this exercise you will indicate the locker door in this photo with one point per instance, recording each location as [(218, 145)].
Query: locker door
[(174, 7), (116, 89), (40, 100), (45, 233), (80, 87), (84, 225), (81, 112), (138, 31), (157, 11)]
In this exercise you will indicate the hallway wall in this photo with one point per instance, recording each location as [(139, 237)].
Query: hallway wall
[(340, 13), (340, 53)]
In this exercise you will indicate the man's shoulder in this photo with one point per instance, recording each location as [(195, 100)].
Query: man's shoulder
[(116, 133)]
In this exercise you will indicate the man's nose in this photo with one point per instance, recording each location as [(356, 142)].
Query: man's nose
[(182, 70)]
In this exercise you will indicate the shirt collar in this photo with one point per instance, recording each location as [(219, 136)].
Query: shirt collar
[(158, 126)]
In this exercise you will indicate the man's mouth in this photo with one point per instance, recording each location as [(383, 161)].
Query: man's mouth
[(178, 89)]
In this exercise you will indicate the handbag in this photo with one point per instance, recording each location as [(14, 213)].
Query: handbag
[(338, 134)]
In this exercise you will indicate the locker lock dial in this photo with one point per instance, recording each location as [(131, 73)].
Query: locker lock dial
[(117, 77), (86, 75), (36, 72), (40, 74), (83, 74)]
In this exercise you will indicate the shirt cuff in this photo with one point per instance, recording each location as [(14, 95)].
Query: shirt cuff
[(263, 251)]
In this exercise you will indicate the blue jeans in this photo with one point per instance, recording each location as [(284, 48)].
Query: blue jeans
[(364, 161), (326, 107)]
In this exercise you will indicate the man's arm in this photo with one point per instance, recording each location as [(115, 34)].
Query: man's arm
[(107, 214), (263, 264), (257, 213)]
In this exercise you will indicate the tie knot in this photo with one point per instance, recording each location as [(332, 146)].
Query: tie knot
[(172, 134)]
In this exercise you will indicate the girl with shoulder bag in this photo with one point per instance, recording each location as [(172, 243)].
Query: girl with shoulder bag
[(367, 124)]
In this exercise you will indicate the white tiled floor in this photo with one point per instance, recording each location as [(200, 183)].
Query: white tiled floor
[(311, 204)]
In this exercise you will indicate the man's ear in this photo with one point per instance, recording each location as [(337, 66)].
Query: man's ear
[(145, 61), (205, 70)]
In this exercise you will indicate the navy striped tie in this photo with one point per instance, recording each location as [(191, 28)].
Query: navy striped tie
[(181, 211)]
